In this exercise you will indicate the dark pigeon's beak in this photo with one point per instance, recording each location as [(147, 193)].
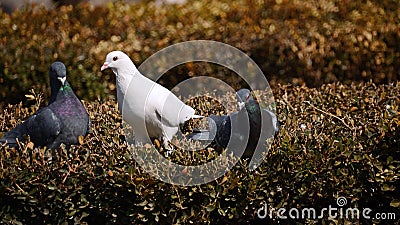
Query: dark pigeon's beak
[(62, 80), (241, 105), (105, 66)]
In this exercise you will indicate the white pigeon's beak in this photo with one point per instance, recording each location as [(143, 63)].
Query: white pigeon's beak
[(62, 79), (104, 66)]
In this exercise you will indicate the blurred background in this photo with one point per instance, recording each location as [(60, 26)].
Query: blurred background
[(293, 42), (11, 5)]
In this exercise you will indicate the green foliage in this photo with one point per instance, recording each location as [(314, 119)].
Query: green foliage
[(297, 42), (336, 140)]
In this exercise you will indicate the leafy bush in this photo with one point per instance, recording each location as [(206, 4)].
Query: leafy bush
[(297, 42), (339, 139), (336, 140)]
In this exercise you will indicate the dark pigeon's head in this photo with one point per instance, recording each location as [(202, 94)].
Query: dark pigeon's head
[(243, 96), (58, 74)]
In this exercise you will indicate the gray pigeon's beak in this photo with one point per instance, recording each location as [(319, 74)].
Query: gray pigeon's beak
[(104, 66), (241, 105), (62, 79)]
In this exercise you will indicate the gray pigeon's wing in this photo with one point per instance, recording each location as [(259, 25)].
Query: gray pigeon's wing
[(214, 122), (270, 127), (224, 126), (201, 135), (10, 138), (89, 125), (237, 138), (44, 127)]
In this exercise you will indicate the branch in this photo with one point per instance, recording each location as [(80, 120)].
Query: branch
[(330, 114)]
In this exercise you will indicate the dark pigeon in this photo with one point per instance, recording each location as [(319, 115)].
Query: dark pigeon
[(243, 132), (62, 121)]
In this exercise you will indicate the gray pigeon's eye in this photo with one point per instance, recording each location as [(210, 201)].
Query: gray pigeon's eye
[(248, 96), (115, 58)]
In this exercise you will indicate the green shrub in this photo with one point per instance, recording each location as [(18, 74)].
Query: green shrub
[(340, 139), (336, 140), (296, 42)]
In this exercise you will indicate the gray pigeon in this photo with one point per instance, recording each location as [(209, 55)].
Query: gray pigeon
[(243, 132), (62, 121)]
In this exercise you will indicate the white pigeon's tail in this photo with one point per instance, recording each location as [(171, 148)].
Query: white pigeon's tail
[(196, 117), (202, 135), (187, 118)]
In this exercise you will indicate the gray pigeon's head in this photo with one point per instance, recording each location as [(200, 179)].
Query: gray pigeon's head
[(117, 60), (58, 72), (243, 96), (58, 76)]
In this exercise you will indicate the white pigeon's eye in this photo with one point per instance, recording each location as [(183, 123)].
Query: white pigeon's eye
[(115, 58)]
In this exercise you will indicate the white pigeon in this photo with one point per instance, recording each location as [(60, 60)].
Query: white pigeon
[(151, 109)]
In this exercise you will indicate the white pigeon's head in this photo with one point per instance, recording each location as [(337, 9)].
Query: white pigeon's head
[(118, 61)]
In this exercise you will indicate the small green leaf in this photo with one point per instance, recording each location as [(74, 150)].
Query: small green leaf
[(395, 203), (210, 208)]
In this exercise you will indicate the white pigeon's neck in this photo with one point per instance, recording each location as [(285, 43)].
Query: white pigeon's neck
[(124, 75), (126, 69)]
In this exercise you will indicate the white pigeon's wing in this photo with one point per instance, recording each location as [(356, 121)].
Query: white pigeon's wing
[(172, 110), (135, 109)]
